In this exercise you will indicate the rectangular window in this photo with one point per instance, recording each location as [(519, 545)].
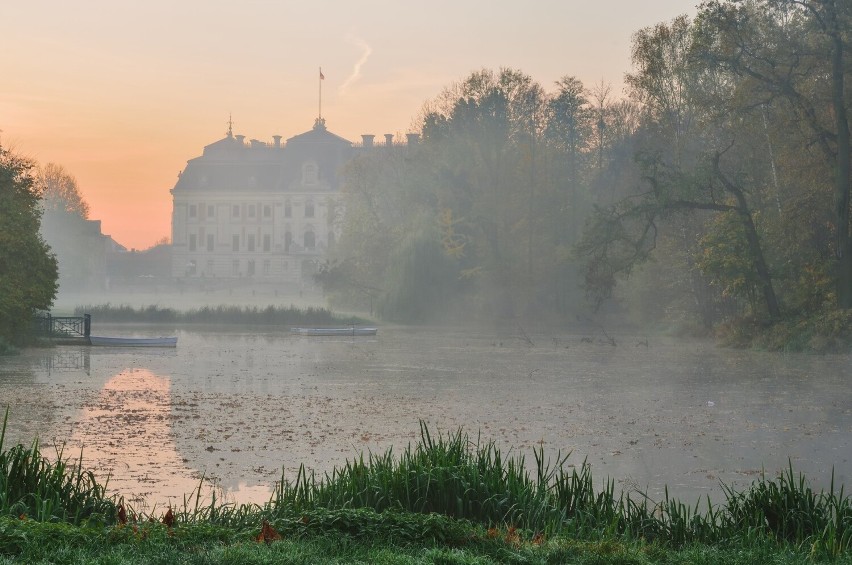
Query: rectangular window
[(235, 211), (192, 242), (288, 209), (235, 267), (266, 267), (193, 211), (235, 242), (211, 211), (267, 242), (309, 209), (251, 211), (267, 211), (210, 241), (210, 266), (251, 268), (251, 242)]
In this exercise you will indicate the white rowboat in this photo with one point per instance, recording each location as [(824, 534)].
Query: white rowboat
[(335, 331), (134, 341)]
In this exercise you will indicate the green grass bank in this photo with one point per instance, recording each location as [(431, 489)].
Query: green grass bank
[(445, 499)]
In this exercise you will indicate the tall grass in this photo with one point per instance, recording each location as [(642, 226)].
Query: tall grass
[(460, 478), (33, 486), (245, 315), (443, 481)]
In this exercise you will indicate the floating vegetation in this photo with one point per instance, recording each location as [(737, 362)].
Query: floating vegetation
[(33, 487)]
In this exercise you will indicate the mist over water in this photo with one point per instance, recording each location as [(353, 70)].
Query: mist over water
[(237, 406)]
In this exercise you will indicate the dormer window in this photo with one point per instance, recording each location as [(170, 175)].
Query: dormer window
[(310, 174)]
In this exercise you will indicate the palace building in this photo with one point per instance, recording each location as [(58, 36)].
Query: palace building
[(264, 212)]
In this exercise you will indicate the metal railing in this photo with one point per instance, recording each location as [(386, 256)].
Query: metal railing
[(63, 326)]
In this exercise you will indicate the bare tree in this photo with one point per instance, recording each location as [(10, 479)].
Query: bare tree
[(60, 191)]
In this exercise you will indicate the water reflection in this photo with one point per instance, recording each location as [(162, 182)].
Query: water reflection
[(238, 406), (126, 434), (67, 359)]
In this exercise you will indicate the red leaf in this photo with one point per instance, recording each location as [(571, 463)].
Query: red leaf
[(169, 518), (267, 533)]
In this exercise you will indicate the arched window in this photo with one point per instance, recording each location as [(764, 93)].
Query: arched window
[(310, 240)]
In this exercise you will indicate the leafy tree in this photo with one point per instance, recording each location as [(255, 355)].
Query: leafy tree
[(690, 170), (421, 280), (28, 271), (499, 181), (793, 54)]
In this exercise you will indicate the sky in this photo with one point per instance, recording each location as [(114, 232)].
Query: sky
[(122, 94)]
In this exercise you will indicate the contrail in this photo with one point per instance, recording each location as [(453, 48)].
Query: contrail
[(356, 70)]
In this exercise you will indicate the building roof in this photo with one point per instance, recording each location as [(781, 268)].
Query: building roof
[(233, 165), (318, 134)]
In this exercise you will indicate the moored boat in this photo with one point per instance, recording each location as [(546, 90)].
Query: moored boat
[(134, 341), (345, 331)]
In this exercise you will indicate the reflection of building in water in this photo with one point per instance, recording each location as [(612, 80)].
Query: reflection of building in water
[(127, 433), (67, 359)]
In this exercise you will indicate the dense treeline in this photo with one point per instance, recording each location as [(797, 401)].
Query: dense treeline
[(717, 192)]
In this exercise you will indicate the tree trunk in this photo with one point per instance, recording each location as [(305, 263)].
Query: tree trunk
[(842, 173), (753, 240), (760, 265)]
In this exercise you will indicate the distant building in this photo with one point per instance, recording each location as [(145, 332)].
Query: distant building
[(81, 250), (256, 211)]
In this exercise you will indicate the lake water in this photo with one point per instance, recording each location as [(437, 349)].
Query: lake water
[(238, 406)]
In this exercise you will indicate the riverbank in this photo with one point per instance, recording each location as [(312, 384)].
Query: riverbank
[(444, 500), (330, 542)]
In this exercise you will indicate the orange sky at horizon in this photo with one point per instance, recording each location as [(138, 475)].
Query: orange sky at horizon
[(122, 94)]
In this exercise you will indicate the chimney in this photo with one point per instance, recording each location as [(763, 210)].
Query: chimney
[(413, 138), (388, 139), (240, 138), (257, 143), (277, 139), (367, 139)]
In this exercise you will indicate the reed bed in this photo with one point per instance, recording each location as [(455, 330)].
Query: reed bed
[(34, 487), (456, 477), (216, 315)]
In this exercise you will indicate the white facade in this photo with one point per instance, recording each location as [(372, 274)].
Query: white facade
[(258, 212)]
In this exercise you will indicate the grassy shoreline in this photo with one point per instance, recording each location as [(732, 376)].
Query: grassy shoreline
[(445, 499)]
